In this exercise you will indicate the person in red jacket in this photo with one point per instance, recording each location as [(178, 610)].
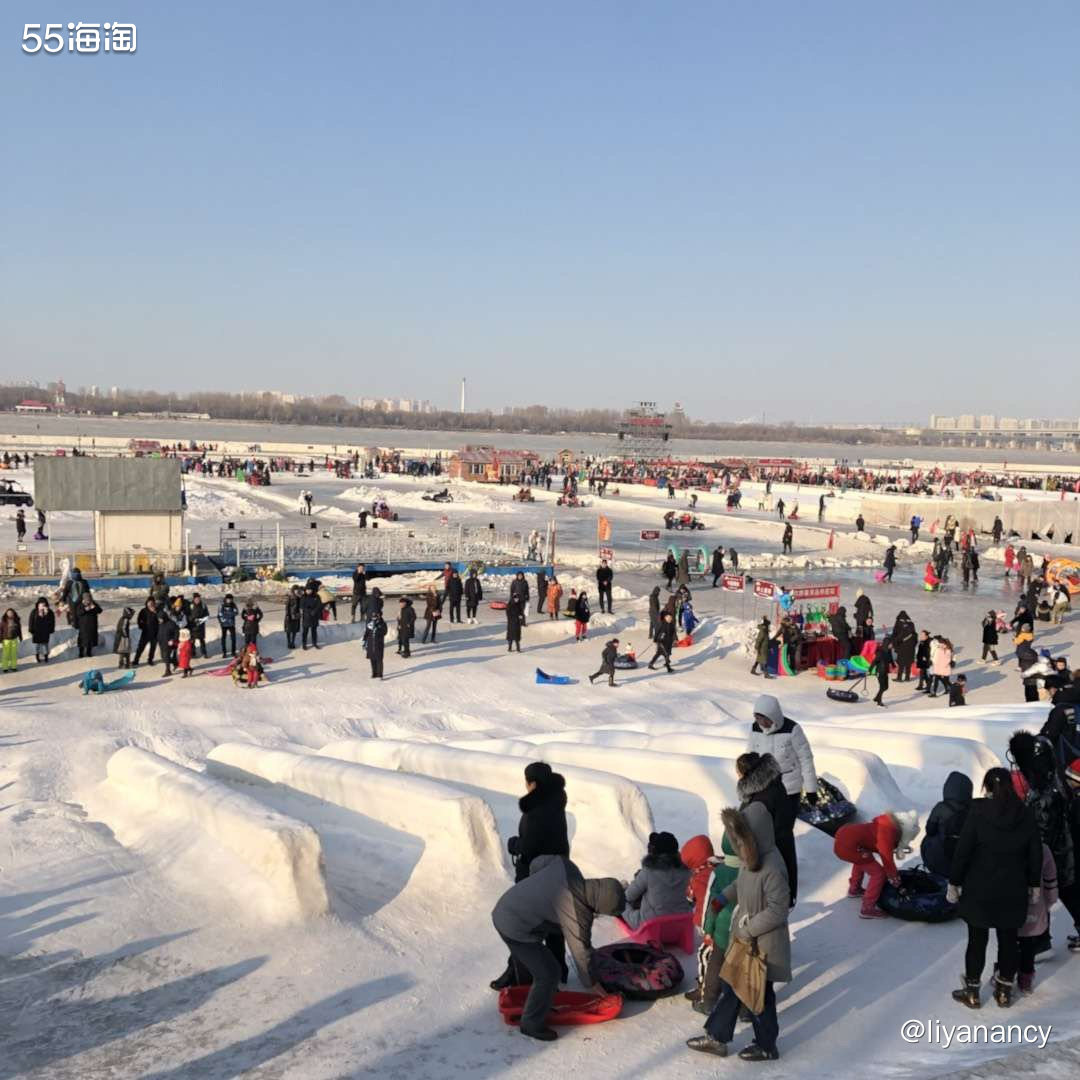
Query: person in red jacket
[(863, 845), (698, 856), (184, 651)]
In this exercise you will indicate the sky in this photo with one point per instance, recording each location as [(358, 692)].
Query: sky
[(836, 211)]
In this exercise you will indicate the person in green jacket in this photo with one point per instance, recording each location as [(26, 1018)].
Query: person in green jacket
[(716, 927)]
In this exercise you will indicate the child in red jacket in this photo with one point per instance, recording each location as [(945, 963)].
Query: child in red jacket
[(183, 653), (864, 844)]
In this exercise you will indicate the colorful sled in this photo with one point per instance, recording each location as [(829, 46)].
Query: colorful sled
[(831, 672), (497, 605), (569, 1008), (94, 682), (544, 679)]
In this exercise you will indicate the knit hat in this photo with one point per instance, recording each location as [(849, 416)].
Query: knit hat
[(908, 820), (1073, 772), (663, 843)]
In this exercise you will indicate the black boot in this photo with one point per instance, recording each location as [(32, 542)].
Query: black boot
[(968, 994), (1003, 990)]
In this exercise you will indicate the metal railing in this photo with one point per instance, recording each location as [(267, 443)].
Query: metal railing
[(50, 563)]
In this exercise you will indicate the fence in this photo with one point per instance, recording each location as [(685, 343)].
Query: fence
[(49, 563), (265, 546)]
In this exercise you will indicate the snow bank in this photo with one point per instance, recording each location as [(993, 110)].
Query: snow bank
[(206, 503), (607, 813), (286, 853), (456, 826)]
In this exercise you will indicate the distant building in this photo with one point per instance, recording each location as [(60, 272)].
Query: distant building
[(486, 465), (31, 406)]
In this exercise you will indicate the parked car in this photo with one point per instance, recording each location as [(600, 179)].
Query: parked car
[(13, 495)]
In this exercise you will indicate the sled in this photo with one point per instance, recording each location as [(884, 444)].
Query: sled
[(640, 972), (544, 679), (831, 672), (841, 695), (625, 662), (675, 930), (923, 898), (832, 809), (880, 576), (497, 605), (94, 682), (569, 1007), (685, 642)]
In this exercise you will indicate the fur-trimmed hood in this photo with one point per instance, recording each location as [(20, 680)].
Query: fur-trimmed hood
[(665, 860), (751, 833), (758, 778)]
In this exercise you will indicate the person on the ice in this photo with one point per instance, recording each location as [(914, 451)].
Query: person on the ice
[(474, 593), (717, 564), (890, 562), (654, 612), (860, 524), (198, 614), (997, 530), (670, 569), (10, 636), (760, 894), (870, 846), (311, 609), (519, 588), (997, 866), (248, 671), (582, 615), (990, 635), (167, 640), (406, 625), (604, 578), (945, 823), (553, 597), (20, 526), (682, 575), (958, 691), (514, 620), (86, 620), (373, 604), (455, 590), (292, 616), (759, 780), (251, 617), (301, 500), (785, 541), (607, 662), (542, 830), (665, 642), (42, 626), (184, 649), (541, 592), (762, 639), (941, 662), (432, 614), (359, 591), (1037, 924), (226, 617), (147, 623), (915, 524), (879, 666), (821, 508), (375, 643), (659, 887), (122, 638), (780, 508), (1010, 559), (554, 897), (733, 557)]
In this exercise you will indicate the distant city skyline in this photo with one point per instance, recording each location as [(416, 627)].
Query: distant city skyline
[(817, 211)]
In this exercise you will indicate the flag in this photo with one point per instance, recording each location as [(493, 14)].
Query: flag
[(603, 529)]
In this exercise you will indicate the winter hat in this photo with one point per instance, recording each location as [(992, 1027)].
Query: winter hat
[(605, 896), (908, 820), (538, 773), (185, 635), (1073, 772), (663, 843), (767, 706)]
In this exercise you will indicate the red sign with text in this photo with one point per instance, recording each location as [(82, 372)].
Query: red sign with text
[(733, 582), (765, 589), (650, 534)]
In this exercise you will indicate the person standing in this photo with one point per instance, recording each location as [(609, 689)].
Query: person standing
[(582, 615), (122, 638), (474, 593), (375, 641), (42, 626), (990, 636), (604, 578), (654, 612), (167, 640), (455, 590), (669, 569), (251, 617), (996, 868), (519, 588), (864, 611), (20, 526), (997, 530), (147, 622), (10, 636), (860, 524), (789, 534), (890, 561), (941, 658), (717, 564), (513, 623), (198, 615), (780, 508), (359, 591), (607, 662), (759, 780), (665, 642), (311, 610), (406, 626), (838, 624), (904, 642), (227, 621), (762, 641), (292, 616), (915, 524), (87, 623), (432, 614), (879, 666), (553, 596), (541, 590)]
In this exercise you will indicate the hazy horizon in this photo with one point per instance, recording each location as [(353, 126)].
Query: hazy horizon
[(829, 213)]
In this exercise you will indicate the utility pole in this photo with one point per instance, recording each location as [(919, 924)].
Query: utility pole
[(462, 397)]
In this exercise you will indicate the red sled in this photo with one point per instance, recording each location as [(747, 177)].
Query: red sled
[(497, 605), (685, 642), (570, 1008)]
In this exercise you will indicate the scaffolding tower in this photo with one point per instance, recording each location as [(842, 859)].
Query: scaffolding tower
[(643, 432)]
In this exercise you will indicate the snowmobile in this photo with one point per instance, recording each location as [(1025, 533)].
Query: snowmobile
[(443, 496), (682, 521), (573, 501), (382, 511), (524, 495)]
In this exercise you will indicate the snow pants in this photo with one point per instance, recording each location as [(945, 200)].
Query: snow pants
[(581, 630), (868, 865), (721, 1022), (9, 659)]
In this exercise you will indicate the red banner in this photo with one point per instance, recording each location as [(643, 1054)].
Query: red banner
[(733, 582), (650, 534), (816, 592), (765, 589)]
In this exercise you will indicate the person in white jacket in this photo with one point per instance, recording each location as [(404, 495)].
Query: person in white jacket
[(774, 733)]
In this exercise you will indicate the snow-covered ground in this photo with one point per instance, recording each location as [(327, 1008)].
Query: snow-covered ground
[(140, 936)]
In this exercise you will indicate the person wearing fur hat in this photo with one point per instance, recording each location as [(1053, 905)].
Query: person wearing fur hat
[(760, 894), (660, 886), (995, 873), (554, 897), (870, 847), (760, 781)]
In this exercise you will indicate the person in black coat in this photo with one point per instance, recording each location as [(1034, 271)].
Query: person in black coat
[(883, 660), (251, 616), (311, 609), (514, 620), (167, 637), (474, 593), (604, 578), (904, 640), (147, 622), (785, 542), (607, 662), (406, 626), (541, 591), (375, 643), (665, 642), (654, 613), (997, 866), (455, 589), (945, 823), (669, 569), (717, 564), (838, 624), (760, 781), (922, 662), (198, 614), (519, 589), (86, 619), (864, 609), (542, 830), (359, 590), (890, 561), (292, 616), (989, 635), (42, 625)]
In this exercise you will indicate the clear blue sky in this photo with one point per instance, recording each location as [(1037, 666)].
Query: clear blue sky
[(827, 210)]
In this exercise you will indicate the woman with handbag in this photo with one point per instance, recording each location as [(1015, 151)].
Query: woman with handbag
[(759, 953)]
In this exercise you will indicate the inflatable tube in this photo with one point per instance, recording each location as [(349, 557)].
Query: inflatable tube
[(841, 695), (497, 605), (625, 663), (544, 679), (570, 1007), (832, 809), (879, 576), (921, 897), (638, 972)]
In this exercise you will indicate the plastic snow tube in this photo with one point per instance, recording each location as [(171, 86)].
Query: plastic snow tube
[(569, 1008), (685, 642), (497, 605), (841, 695), (832, 809), (544, 679), (860, 664), (832, 672), (625, 663), (639, 972), (924, 900)]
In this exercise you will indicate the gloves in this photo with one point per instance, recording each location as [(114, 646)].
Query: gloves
[(811, 798), (952, 894)]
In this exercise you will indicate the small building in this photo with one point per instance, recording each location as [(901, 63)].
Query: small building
[(487, 465), (31, 406), (136, 503)]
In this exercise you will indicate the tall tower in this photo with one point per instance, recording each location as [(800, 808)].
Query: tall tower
[(462, 397)]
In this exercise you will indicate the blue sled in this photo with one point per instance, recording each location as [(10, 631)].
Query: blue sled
[(94, 682), (544, 678)]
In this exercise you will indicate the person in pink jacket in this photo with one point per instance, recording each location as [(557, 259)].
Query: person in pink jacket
[(941, 656), (1040, 901)]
